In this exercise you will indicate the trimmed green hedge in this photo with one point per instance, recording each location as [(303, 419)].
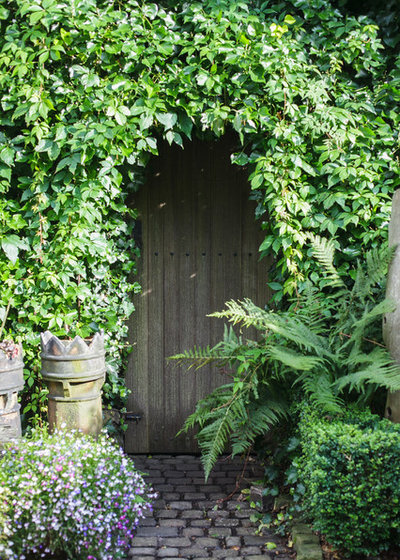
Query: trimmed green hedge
[(350, 468)]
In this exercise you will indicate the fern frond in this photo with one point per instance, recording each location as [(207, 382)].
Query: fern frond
[(199, 357), (261, 418), (219, 398), (312, 308), (385, 306), (295, 331), (245, 313), (293, 359), (377, 262), (319, 388), (230, 338), (387, 377), (324, 252), (375, 367), (214, 436), (379, 356), (282, 325), (359, 326), (361, 286)]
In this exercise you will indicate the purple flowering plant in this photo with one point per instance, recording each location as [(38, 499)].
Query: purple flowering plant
[(4, 530), (67, 495), (7, 347)]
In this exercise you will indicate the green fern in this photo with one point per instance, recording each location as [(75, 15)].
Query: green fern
[(292, 359), (214, 435), (244, 312), (311, 308), (375, 368), (261, 417), (321, 392), (247, 314), (324, 252), (199, 357), (322, 347), (377, 263)]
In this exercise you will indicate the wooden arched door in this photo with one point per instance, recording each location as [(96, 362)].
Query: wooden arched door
[(199, 249)]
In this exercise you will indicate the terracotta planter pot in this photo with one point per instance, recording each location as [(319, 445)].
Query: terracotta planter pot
[(74, 372), (11, 381)]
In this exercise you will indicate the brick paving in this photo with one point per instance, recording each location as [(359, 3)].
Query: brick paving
[(192, 519)]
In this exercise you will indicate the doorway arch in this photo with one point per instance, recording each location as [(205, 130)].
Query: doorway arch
[(199, 249)]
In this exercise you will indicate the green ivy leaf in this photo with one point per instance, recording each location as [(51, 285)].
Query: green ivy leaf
[(7, 155), (168, 120), (11, 244), (290, 20), (36, 17)]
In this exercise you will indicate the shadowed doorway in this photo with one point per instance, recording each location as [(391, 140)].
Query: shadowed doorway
[(199, 249)]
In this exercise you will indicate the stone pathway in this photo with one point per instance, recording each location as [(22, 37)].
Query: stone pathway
[(191, 519)]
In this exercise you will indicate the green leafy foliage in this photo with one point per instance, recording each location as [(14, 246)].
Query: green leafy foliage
[(322, 348), (350, 469), (87, 90), (386, 15)]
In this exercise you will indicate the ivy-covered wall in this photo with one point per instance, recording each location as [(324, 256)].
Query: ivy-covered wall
[(87, 88)]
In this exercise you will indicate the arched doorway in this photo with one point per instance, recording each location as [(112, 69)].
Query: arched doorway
[(199, 249)]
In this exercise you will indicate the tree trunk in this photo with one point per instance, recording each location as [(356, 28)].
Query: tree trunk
[(391, 321)]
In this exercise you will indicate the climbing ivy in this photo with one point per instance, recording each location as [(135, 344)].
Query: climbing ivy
[(89, 87)]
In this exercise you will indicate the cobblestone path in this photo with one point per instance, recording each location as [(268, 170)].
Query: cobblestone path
[(191, 519)]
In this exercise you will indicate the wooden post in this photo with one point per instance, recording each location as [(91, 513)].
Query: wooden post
[(391, 321)]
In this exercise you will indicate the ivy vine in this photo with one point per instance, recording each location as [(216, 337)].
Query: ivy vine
[(87, 89)]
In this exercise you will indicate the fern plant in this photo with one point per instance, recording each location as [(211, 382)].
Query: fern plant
[(324, 347)]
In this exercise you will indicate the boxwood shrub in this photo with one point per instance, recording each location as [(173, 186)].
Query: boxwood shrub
[(350, 468)]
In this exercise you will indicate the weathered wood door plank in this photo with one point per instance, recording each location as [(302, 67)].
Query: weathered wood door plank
[(200, 249)]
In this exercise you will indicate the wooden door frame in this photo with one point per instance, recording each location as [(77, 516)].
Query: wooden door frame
[(142, 403)]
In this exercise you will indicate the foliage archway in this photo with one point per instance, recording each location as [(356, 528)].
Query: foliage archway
[(87, 86)]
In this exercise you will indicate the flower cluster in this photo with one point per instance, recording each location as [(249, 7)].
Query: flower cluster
[(66, 492), (4, 532), (9, 349)]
